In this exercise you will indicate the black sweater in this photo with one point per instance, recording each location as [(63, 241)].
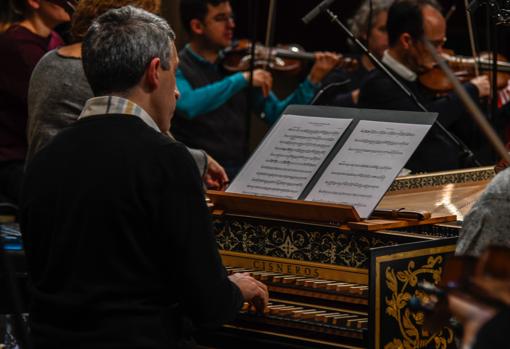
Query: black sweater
[(118, 240)]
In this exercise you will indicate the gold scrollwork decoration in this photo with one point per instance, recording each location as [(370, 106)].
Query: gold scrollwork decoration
[(402, 285)]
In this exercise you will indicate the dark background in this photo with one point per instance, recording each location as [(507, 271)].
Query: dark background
[(321, 34)]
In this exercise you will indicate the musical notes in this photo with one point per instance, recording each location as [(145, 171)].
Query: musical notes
[(358, 175), (364, 168), (289, 156)]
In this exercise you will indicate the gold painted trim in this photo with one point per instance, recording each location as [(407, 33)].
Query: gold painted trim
[(277, 334), (448, 173), (325, 271), (378, 272), (434, 179)]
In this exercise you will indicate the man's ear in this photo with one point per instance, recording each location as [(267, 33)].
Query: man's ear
[(152, 77), (406, 40), (197, 27)]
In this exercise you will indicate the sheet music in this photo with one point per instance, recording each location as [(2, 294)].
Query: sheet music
[(365, 167), (290, 155)]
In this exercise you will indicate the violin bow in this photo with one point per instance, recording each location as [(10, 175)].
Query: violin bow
[(471, 37), (271, 20)]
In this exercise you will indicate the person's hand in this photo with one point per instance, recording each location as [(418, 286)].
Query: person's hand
[(355, 96), (215, 177), (253, 291), (262, 79), (324, 63), (482, 84)]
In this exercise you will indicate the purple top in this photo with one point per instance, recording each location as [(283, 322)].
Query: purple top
[(20, 51)]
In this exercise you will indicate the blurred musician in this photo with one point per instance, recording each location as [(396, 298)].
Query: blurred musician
[(211, 113), (21, 47), (409, 22), (117, 235), (488, 221), (478, 291), (346, 95), (59, 89), (484, 326)]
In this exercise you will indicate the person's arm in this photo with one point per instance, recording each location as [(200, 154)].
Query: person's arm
[(200, 158), (325, 62), (193, 102), (205, 292), (273, 107)]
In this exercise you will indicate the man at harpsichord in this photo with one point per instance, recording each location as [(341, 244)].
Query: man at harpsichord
[(116, 231)]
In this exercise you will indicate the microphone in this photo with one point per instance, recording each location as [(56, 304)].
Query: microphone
[(317, 10)]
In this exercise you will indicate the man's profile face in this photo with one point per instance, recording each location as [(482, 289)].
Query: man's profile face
[(219, 25), (434, 27), (378, 39)]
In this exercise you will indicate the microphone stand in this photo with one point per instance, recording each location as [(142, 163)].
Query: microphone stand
[(466, 153)]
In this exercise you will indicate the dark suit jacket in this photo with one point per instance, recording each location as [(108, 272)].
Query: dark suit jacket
[(436, 152)]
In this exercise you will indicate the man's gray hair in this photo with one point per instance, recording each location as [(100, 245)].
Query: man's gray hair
[(359, 22), (120, 44)]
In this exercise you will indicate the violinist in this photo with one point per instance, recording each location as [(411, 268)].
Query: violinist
[(475, 291), (347, 92), (409, 23), (211, 112)]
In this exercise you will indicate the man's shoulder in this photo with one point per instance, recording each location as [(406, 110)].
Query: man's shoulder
[(500, 186), (120, 127), (106, 134), (376, 77)]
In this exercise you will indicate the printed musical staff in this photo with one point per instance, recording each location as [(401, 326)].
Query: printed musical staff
[(289, 156), (364, 168)]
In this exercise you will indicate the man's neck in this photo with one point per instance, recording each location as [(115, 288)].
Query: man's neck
[(208, 53)]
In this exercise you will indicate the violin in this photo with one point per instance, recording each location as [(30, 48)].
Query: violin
[(464, 69), (287, 58)]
